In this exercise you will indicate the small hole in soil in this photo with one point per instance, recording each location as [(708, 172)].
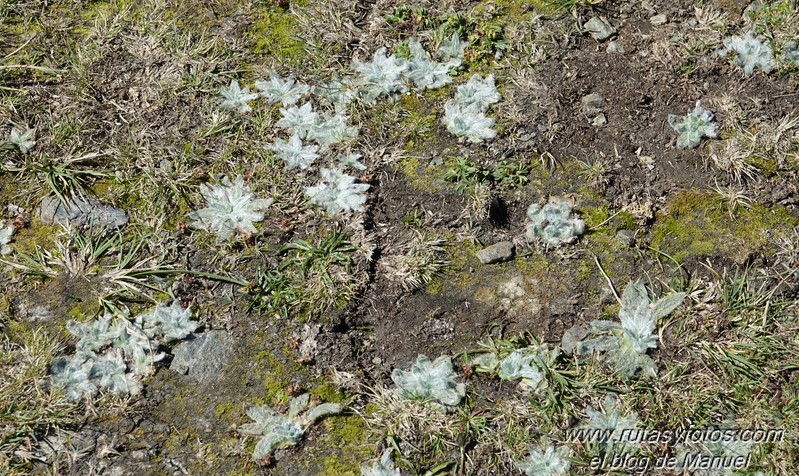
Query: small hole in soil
[(498, 212)]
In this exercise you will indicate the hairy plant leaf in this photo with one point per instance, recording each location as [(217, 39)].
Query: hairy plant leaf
[(546, 462), (230, 208), (299, 120), (552, 223), (233, 97), (384, 467), (168, 323), (285, 91), (424, 72), (434, 380), (478, 91), (338, 192), (383, 76), (469, 122), (452, 49), (294, 153), (751, 53), (697, 124), (22, 141)]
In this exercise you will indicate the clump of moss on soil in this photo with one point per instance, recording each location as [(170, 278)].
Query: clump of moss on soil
[(697, 224)]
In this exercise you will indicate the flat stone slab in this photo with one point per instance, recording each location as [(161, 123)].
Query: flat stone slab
[(203, 357), (496, 253), (81, 212), (599, 28)]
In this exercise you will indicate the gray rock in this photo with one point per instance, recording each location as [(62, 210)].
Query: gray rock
[(659, 19), (496, 253), (81, 212), (599, 120), (593, 103), (615, 47), (203, 357), (625, 237), (571, 338), (599, 28)]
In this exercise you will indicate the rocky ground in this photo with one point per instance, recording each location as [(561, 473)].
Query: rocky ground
[(130, 129)]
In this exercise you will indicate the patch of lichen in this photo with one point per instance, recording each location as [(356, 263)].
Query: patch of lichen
[(34, 237), (347, 441), (462, 271), (548, 8), (768, 167), (420, 123), (696, 224), (427, 178), (274, 32)]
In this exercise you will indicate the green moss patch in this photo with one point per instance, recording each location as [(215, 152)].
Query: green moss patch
[(696, 224), (274, 32)]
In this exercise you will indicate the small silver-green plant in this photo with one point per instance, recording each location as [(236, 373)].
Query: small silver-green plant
[(330, 130), (383, 76), (697, 124), (338, 93), (478, 91), (626, 343), (552, 223), (338, 192), (528, 364), (230, 208), (430, 380), (278, 90), (351, 160), (452, 49), (281, 431), (424, 72), (235, 98), (692, 455), (22, 141), (114, 353), (546, 462), (751, 53), (468, 122), (295, 154), (167, 323), (299, 120), (384, 467), (465, 115), (607, 426), (790, 53)]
